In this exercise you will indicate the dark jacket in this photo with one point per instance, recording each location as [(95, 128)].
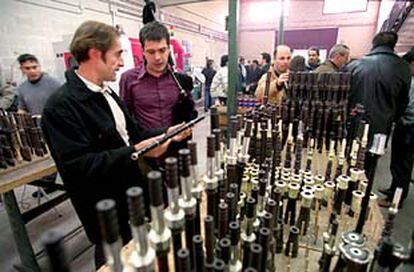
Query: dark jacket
[(208, 74), (184, 110), (380, 82), (313, 67), (90, 155), (264, 68), (253, 79), (148, 13)]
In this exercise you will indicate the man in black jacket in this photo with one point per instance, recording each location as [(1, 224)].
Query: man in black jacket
[(402, 148), (264, 62), (380, 83), (148, 12), (91, 134)]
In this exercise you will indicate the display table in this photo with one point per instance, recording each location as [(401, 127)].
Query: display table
[(24, 174), (372, 229)]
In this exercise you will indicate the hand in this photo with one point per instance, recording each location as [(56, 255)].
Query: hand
[(181, 136), (156, 152), (283, 78)]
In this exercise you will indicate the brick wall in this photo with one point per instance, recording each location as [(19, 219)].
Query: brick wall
[(31, 26)]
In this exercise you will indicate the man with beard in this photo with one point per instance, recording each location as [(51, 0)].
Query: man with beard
[(313, 59)]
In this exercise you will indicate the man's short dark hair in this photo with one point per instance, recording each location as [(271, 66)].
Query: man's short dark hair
[(27, 57), (92, 34), (314, 48), (256, 61), (223, 60), (409, 56), (266, 57), (153, 31), (388, 38)]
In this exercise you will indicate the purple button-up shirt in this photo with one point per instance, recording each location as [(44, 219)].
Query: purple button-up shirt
[(150, 99)]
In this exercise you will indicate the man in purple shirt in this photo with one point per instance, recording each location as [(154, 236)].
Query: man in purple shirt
[(150, 92)]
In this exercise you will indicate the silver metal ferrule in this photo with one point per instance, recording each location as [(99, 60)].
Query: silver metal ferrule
[(246, 144), (186, 185), (173, 196), (248, 235), (143, 257), (211, 168), (174, 215), (189, 206), (194, 172), (233, 147), (217, 159), (240, 203), (112, 254), (197, 186), (245, 148), (235, 264), (260, 205), (159, 236), (187, 202)]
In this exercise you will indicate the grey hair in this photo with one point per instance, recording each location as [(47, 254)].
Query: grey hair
[(338, 49)]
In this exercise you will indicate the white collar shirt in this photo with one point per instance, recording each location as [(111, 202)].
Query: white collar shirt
[(117, 113)]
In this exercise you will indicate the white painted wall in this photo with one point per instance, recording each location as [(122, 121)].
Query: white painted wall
[(210, 14)]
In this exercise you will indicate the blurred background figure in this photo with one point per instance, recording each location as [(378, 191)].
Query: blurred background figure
[(242, 74), (264, 62), (338, 57), (253, 77), (297, 64), (219, 84), (209, 73), (148, 12), (313, 59), (8, 98)]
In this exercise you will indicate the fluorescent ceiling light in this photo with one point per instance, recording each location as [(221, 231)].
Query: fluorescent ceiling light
[(265, 11), (341, 6)]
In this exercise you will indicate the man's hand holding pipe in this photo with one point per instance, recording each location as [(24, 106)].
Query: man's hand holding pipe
[(183, 135), (161, 149)]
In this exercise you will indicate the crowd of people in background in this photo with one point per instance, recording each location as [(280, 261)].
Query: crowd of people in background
[(250, 74), (380, 83)]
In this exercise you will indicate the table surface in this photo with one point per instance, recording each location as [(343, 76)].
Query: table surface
[(26, 173)]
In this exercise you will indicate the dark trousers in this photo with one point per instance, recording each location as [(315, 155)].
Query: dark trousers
[(402, 161), (207, 98)]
